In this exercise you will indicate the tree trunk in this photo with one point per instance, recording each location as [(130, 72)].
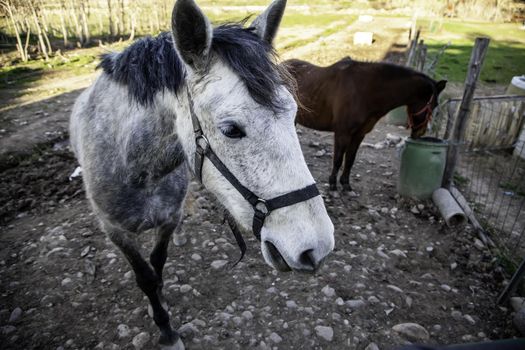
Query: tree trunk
[(132, 31), (84, 19), (122, 20), (63, 22), (157, 18), (20, 48), (43, 18), (48, 43), (43, 47), (40, 16), (111, 24), (164, 12), (100, 24), (28, 36), (78, 27)]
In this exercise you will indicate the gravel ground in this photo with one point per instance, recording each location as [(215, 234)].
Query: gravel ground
[(397, 273)]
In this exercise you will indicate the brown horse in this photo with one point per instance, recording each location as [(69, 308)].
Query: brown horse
[(349, 98)]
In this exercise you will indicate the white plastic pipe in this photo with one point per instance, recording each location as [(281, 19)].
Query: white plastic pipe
[(449, 208)]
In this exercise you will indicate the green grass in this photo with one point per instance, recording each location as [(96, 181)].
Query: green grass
[(75, 63), (84, 61), (517, 188), (505, 57), (218, 3), (301, 20), (509, 264), (26, 73), (460, 180)]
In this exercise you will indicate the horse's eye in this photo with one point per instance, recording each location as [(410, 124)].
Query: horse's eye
[(233, 131)]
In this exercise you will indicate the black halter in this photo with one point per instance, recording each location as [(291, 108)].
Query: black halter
[(261, 207)]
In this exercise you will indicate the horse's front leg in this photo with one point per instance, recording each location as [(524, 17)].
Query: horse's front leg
[(149, 281), (339, 148), (350, 154), (159, 255)]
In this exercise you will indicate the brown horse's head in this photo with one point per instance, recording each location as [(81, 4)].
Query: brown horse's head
[(420, 112)]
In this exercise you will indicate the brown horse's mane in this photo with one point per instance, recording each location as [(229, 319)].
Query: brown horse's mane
[(389, 70)]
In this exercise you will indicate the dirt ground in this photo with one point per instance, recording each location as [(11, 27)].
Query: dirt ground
[(393, 264), (65, 286)]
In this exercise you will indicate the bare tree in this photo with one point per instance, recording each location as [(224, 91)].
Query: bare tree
[(6, 4), (63, 10), (111, 24), (84, 13), (157, 17), (133, 19), (39, 31), (122, 19), (28, 36), (78, 27), (10, 9)]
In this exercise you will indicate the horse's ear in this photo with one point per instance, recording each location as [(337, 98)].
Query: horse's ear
[(440, 86), (192, 33), (267, 23)]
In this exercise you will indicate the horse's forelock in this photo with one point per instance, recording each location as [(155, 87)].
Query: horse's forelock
[(253, 60)]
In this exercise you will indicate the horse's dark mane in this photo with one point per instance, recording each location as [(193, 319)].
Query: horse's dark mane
[(152, 64), (391, 71), (388, 70), (146, 67)]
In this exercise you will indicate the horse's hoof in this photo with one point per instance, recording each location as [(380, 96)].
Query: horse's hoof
[(179, 345), (333, 187), (180, 239)]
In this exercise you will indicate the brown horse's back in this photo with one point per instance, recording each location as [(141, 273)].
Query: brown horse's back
[(318, 93), (348, 94)]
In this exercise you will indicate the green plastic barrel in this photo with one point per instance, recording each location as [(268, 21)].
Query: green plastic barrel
[(517, 86), (398, 116), (422, 167)]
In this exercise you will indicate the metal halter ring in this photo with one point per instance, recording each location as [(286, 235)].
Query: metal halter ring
[(204, 139), (262, 206)]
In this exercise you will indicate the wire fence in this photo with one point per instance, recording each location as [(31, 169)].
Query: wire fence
[(490, 171)]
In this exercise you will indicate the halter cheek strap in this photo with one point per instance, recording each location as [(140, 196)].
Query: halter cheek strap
[(428, 117), (261, 207)]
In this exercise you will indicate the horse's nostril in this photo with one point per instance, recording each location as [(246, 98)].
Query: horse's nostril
[(307, 259)]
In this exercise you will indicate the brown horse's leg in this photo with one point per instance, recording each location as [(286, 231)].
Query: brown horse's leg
[(339, 148), (350, 153)]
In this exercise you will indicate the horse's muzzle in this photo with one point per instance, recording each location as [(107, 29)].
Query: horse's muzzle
[(306, 261)]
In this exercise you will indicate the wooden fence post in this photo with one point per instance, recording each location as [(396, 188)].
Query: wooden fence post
[(422, 57), (412, 48), (476, 62), (513, 285)]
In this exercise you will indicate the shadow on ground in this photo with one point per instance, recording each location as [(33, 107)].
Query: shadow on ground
[(34, 126)]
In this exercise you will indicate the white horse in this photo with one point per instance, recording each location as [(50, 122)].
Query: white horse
[(212, 101)]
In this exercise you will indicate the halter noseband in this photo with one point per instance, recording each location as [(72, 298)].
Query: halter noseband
[(261, 207), (428, 117)]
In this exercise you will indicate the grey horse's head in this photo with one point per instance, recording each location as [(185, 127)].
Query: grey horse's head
[(247, 113)]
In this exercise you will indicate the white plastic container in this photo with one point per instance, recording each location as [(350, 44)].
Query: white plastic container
[(517, 87), (363, 38)]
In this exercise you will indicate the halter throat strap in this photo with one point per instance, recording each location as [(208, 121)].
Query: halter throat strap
[(261, 207)]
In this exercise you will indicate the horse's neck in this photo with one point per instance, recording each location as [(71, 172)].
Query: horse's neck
[(319, 81), (149, 140), (399, 92)]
